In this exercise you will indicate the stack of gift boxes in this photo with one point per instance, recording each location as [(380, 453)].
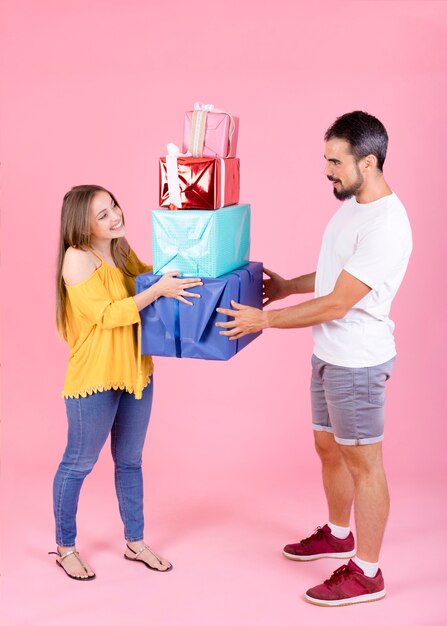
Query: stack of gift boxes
[(200, 231)]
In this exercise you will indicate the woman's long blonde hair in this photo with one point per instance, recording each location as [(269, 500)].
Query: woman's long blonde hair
[(75, 232)]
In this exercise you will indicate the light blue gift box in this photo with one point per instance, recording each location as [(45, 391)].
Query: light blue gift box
[(201, 243)]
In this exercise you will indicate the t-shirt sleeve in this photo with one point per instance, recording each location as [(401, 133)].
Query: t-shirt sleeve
[(91, 300), (380, 252)]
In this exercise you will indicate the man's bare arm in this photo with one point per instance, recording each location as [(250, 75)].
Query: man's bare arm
[(347, 292), (302, 284)]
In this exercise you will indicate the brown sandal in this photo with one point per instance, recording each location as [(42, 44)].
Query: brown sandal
[(76, 553), (137, 554)]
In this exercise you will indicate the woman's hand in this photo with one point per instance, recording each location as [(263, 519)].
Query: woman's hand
[(171, 287), (275, 287)]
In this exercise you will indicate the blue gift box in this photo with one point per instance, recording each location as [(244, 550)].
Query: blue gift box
[(201, 243), (172, 328)]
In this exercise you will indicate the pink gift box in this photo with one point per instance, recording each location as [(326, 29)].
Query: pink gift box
[(216, 139)]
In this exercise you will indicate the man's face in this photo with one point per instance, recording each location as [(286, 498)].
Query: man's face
[(342, 169)]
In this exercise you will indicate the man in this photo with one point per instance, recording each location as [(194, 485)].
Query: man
[(363, 259)]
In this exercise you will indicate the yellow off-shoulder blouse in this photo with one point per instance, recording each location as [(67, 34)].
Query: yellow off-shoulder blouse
[(104, 333)]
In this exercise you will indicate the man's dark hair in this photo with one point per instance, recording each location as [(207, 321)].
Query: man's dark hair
[(364, 133)]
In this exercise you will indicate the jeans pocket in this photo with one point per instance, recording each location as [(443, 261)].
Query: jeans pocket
[(338, 383), (377, 379)]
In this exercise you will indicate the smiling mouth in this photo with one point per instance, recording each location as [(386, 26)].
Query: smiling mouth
[(118, 226)]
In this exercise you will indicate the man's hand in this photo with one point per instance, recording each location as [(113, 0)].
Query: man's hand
[(247, 319), (275, 287)]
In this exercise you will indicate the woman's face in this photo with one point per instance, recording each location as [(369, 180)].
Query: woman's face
[(106, 218)]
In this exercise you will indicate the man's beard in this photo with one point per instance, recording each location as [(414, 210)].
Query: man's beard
[(347, 192)]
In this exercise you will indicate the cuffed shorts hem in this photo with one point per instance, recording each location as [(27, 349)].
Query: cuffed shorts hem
[(347, 442), (358, 442), (324, 429)]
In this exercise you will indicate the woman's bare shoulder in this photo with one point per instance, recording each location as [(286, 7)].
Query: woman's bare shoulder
[(78, 265)]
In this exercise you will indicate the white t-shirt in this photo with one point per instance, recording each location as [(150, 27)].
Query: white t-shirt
[(372, 242)]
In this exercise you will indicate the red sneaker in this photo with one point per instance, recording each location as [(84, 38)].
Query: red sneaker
[(347, 585), (319, 545)]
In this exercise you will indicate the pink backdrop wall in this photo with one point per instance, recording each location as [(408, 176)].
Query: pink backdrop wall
[(92, 92)]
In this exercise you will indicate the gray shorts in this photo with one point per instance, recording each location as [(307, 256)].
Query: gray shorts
[(349, 401)]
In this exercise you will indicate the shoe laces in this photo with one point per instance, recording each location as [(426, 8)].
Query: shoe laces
[(341, 574), (317, 534)]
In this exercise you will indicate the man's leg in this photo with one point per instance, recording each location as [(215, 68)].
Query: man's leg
[(327, 541), (355, 399), (339, 488), (371, 501), (337, 478)]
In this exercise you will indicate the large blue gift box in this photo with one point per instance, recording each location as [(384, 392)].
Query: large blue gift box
[(172, 328), (201, 243)]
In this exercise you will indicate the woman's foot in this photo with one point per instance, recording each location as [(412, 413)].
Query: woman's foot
[(139, 551), (68, 558)]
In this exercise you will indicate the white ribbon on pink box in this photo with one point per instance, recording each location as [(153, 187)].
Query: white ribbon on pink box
[(210, 132)]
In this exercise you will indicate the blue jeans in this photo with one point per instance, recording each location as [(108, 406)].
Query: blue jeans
[(90, 420)]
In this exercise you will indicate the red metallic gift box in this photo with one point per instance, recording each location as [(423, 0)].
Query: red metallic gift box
[(205, 183)]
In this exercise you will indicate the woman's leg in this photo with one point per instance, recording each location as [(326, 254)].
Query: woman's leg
[(127, 440), (89, 422)]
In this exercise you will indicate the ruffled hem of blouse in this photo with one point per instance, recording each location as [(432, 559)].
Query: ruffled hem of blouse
[(88, 391)]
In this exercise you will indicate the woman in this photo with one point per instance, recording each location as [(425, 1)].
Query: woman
[(108, 387)]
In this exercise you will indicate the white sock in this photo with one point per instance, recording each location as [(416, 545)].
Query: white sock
[(369, 569), (341, 532)]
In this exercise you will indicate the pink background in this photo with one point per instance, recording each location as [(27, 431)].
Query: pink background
[(92, 92)]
